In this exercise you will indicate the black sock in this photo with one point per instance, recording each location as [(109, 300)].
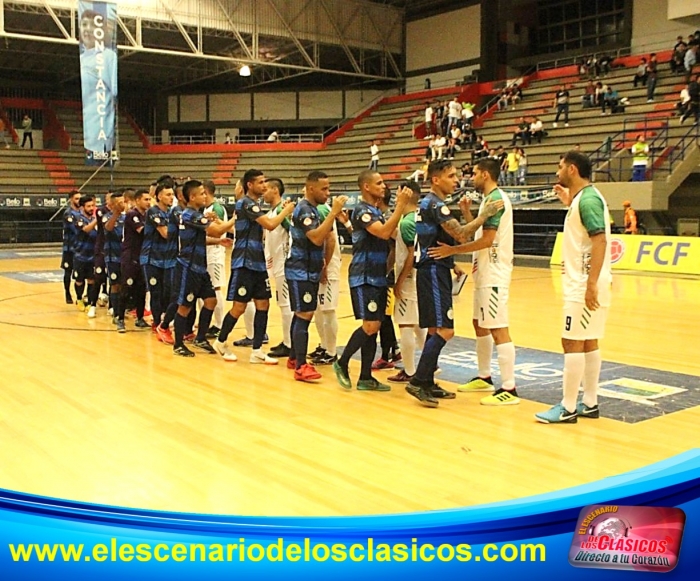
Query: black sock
[(180, 329), (140, 298), (169, 315), (227, 326), (191, 319), (259, 328), (66, 282), (292, 351), (369, 349), (204, 322), (387, 337), (92, 294), (357, 340), (79, 288), (428, 359), (301, 340), (114, 302)]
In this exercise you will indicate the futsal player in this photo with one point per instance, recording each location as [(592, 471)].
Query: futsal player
[(84, 253), (100, 264), (587, 284), (216, 258), (114, 231), (69, 234)]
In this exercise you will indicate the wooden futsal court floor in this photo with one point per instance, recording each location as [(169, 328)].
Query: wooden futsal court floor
[(92, 415)]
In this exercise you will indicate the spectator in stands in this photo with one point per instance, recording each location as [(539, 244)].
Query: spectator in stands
[(694, 103), (605, 64), (467, 114), (678, 56), (467, 171), (588, 99), (451, 148), (640, 76), (274, 137), (630, 218), (611, 98), (3, 134), (536, 130), (599, 92), (683, 102), (428, 119), (561, 102), (481, 150), (421, 173), (640, 157), (374, 155), (511, 165), (429, 148), (456, 134), (469, 137), (503, 100), (652, 67), (227, 139), (593, 67), (454, 112), (502, 156), (27, 131), (522, 131), (583, 68), (516, 94), (522, 168), (690, 61)]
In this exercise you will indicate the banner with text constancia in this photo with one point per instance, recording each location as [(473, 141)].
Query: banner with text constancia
[(98, 74), (669, 254)]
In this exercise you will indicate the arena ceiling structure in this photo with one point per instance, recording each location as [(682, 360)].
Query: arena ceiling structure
[(170, 45)]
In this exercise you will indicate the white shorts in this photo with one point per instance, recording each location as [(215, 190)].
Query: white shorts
[(491, 307), (581, 324), (282, 291), (328, 295), (216, 273), (406, 311)]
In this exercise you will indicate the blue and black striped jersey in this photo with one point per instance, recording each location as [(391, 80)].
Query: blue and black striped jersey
[(432, 213), (305, 260), (156, 250), (193, 241), (369, 253), (248, 251)]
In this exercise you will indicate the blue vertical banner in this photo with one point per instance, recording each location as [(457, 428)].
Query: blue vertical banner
[(98, 73)]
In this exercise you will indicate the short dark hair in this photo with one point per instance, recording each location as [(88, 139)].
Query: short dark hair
[(438, 166), (85, 199), (163, 186), (188, 187), (117, 194), (210, 186), (315, 176), (276, 183), (491, 166), (140, 193), (73, 192), (414, 187), (581, 161), (248, 176), (365, 176)]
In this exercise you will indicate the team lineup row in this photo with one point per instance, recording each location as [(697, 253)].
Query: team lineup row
[(401, 264)]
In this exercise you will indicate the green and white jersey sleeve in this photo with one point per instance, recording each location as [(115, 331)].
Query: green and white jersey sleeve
[(404, 241), (333, 268), (276, 246), (217, 254), (493, 266)]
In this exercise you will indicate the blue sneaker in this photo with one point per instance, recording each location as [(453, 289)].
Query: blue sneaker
[(557, 415), (585, 412)]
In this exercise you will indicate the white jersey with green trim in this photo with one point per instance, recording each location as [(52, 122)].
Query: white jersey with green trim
[(586, 214), (333, 268), (217, 254), (493, 266), (406, 231), (276, 248)]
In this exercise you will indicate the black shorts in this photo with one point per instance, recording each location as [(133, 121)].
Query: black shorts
[(100, 266), (369, 302), (114, 272), (434, 284), (132, 274), (83, 271), (189, 286), (156, 278), (67, 260), (303, 296), (246, 285)]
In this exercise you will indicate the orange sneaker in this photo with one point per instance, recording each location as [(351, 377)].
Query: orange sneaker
[(307, 373)]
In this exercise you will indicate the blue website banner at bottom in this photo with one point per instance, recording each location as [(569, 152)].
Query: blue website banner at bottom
[(43, 538)]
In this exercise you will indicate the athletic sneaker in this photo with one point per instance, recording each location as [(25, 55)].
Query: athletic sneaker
[(121, 328), (501, 397), (183, 351), (585, 412), (342, 376), (317, 352), (400, 377), (437, 392), (291, 363), (557, 415), (280, 350), (81, 304), (115, 320), (307, 373), (204, 346), (396, 356), (141, 324), (223, 350), (164, 335), (189, 337), (213, 332), (477, 384), (258, 356), (245, 342), (372, 385), (422, 395), (381, 363), (154, 328), (91, 313), (325, 359), (69, 299)]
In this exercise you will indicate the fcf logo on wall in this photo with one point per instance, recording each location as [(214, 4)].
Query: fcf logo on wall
[(617, 250)]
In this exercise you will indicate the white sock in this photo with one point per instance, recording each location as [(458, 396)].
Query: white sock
[(248, 317), (590, 378), (320, 321), (484, 350), (420, 335), (574, 368), (287, 316), (506, 364), (408, 349), (219, 309), (331, 329)]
